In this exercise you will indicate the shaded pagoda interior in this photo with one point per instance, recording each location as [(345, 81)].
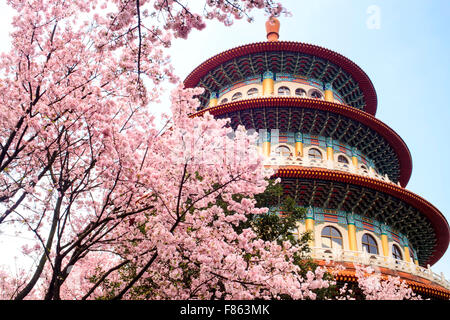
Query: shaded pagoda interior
[(321, 123), (366, 202), (282, 62)]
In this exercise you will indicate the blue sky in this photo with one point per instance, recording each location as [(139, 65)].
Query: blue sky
[(407, 59)]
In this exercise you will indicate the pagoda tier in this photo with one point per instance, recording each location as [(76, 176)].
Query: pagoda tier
[(302, 61), (383, 205), (315, 111), (322, 118)]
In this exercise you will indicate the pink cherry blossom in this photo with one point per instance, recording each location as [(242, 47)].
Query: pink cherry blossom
[(376, 287)]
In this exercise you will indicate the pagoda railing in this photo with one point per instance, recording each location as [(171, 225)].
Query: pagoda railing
[(278, 160), (364, 258)]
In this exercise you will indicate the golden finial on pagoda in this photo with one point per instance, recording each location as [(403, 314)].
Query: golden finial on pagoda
[(273, 29)]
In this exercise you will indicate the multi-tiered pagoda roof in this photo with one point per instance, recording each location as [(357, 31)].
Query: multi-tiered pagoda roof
[(373, 189)]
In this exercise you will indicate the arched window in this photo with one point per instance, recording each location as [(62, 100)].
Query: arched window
[(284, 91), (342, 159), (283, 151), (252, 92), (396, 252), (364, 169), (236, 96), (314, 153), (316, 95), (300, 92), (369, 244), (331, 238), (225, 100)]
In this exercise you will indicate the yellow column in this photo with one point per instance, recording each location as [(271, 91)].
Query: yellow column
[(299, 149), (213, 100), (266, 142), (354, 158), (351, 228), (266, 148), (384, 240), (329, 143), (268, 83), (352, 237), (406, 249), (309, 225), (385, 244), (330, 153), (298, 144), (329, 92), (407, 254)]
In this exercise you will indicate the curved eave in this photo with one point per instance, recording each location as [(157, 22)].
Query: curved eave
[(346, 64), (419, 286), (366, 119), (437, 220)]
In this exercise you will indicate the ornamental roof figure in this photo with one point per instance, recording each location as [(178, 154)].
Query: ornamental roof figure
[(273, 29)]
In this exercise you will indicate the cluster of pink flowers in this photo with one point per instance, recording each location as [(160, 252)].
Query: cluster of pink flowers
[(375, 287)]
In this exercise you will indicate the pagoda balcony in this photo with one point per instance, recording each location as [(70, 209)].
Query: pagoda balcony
[(288, 161), (338, 255)]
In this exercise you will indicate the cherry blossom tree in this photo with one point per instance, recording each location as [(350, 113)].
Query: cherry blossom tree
[(108, 194), (119, 205)]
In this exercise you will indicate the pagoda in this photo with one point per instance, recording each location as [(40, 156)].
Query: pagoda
[(315, 111)]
